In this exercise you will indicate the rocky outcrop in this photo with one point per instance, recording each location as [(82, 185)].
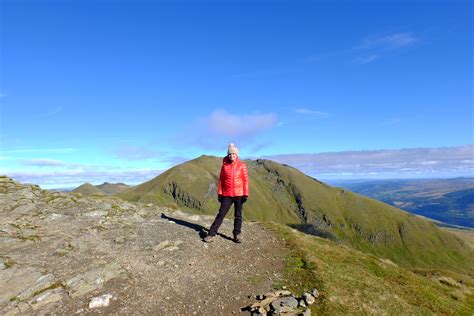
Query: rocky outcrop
[(181, 196), (283, 303), (61, 253)]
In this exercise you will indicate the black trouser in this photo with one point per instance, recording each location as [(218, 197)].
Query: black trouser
[(225, 206)]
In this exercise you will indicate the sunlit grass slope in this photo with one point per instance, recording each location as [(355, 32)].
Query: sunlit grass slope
[(352, 282), (285, 195), (88, 189)]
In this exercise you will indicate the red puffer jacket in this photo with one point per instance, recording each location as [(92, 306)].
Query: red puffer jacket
[(234, 178)]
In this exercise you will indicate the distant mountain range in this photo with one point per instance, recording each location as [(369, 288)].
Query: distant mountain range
[(282, 194), (105, 188), (447, 200)]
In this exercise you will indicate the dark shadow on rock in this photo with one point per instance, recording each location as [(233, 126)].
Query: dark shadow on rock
[(246, 309), (199, 228), (203, 231), (225, 237)]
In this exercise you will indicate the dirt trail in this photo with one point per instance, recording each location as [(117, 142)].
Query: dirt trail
[(58, 251)]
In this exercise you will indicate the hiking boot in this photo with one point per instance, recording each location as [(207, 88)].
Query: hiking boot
[(209, 238), (237, 239)]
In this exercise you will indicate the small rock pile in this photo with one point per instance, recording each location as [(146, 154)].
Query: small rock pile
[(283, 303)]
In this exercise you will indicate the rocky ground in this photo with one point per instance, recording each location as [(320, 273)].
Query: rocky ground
[(65, 254)]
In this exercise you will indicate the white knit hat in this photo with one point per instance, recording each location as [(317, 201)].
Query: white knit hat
[(232, 149)]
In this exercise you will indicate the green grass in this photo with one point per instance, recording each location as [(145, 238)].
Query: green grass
[(21, 226), (193, 187), (53, 286), (8, 262), (282, 194), (257, 279), (33, 238), (352, 282), (88, 189), (115, 211), (111, 188)]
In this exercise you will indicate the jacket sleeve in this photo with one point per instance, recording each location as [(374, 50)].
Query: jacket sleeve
[(245, 179), (219, 183)]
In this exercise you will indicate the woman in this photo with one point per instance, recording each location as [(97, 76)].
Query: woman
[(233, 188)]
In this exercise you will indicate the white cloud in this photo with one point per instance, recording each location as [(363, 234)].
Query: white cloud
[(221, 127), (60, 174), (222, 123), (374, 48), (44, 162), (369, 49), (260, 146), (365, 59), (442, 161), (74, 178), (391, 121), (388, 42), (52, 112), (44, 150), (400, 163), (63, 165), (399, 40), (313, 59), (130, 152), (311, 112), (263, 73)]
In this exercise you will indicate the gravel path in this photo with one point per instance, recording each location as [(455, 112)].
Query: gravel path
[(58, 251)]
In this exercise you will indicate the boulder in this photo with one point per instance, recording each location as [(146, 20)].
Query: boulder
[(284, 304), (308, 298), (100, 301)]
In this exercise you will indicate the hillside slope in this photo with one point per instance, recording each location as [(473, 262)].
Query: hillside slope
[(355, 283), (59, 253), (87, 189), (112, 188), (285, 195)]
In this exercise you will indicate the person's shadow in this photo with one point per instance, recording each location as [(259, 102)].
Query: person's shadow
[(199, 228)]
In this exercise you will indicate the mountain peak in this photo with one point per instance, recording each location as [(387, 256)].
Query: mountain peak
[(105, 188), (285, 195)]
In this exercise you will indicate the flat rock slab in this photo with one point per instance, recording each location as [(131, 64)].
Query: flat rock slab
[(22, 283), (93, 279)]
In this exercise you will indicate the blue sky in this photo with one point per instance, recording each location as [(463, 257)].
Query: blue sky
[(122, 90)]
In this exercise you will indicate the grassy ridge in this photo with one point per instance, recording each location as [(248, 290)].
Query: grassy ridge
[(352, 282), (283, 194), (105, 188), (112, 188), (375, 227), (88, 189)]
